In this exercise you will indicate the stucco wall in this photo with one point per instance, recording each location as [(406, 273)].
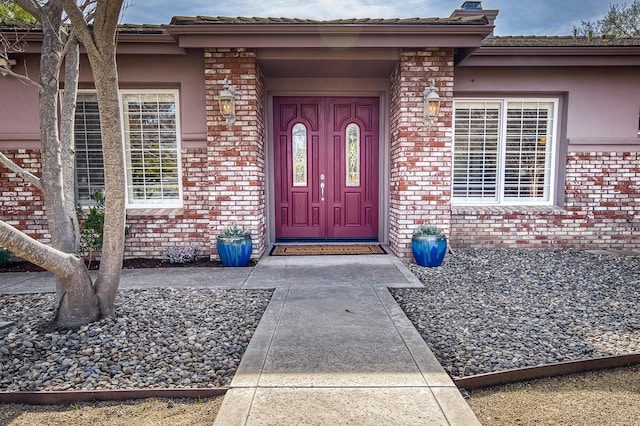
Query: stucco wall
[(183, 72), (602, 104), (19, 121)]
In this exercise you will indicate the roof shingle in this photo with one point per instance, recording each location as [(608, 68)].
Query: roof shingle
[(559, 41), (224, 20)]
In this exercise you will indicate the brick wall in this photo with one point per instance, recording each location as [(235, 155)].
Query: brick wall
[(20, 203), (236, 168), (153, 231), (420, 174), (602, 205)]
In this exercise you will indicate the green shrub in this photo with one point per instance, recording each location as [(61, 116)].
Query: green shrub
[(92, 225)]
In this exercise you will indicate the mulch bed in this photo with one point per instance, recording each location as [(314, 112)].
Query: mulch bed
[(137, 263)]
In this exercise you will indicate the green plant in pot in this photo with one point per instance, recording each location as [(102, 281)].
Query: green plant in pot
[(429, 246), (234, 246)]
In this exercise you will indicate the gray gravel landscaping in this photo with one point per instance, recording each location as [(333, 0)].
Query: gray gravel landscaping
[(493, 310), (160, 338)]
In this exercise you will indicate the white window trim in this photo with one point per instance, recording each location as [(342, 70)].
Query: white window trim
[(502, 154), (178, 203)]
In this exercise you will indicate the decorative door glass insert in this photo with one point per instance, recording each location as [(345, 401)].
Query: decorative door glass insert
[(299, 155), (352, 155)]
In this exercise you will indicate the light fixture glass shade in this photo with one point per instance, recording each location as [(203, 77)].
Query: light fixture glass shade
[(227, 102), (431, 104), (225, 106)]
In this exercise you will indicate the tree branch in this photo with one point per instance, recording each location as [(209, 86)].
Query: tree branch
[(106, 19), (80, 24), (32, 179), (42, 255), (23, 78)]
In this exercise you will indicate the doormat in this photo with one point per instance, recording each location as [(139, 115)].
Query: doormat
[(326, 249)]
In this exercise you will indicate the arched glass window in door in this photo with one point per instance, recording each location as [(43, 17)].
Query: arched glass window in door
[(299, 154), (352, 155)]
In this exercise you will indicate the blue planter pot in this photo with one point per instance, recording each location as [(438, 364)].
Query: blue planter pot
[(429, 250), (234, 250)]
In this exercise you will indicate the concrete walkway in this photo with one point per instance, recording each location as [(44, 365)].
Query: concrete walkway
[(332, 348)]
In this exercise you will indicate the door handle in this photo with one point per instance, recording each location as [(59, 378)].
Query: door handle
[(322, 191)]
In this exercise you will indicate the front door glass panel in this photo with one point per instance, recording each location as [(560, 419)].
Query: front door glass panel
[(299, 157), (352, 155)]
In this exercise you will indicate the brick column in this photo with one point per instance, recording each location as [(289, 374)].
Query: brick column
[(420, 175), (236, 153)]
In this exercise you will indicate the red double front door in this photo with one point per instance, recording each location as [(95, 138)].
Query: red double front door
[(326, 167)]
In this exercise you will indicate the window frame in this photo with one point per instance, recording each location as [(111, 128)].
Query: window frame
[(174, 203), (129, 204), (552, 159)]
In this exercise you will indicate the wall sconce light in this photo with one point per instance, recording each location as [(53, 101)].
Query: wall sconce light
[(431, 104), (227, 102)]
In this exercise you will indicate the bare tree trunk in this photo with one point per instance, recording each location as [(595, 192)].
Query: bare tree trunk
[(60, 227), (79, 301), (78, 304), (67, 122), (71, 289), (115, 213), (100, 44)]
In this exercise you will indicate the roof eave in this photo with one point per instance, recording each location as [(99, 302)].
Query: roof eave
[(554, 56), (159, 42), (310, 35)]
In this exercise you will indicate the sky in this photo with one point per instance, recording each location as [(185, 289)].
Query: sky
[(516, 17)]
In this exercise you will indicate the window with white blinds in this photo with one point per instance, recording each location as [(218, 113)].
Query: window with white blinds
[(503, 151), (88, 146), (151, 148), (152, 153)]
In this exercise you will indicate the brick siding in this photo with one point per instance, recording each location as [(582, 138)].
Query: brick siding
[(236, 168), (601, 210), (154, 231), (420, 186), (21, 205)]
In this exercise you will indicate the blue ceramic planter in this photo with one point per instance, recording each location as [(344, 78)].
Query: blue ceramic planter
[(429, 250), (234, 250)]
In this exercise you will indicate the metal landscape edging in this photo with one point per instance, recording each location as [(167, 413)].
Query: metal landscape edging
[(497, 378), (72, 396)]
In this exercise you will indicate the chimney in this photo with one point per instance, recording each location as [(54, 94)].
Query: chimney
[(474, 8), (472, 5)]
